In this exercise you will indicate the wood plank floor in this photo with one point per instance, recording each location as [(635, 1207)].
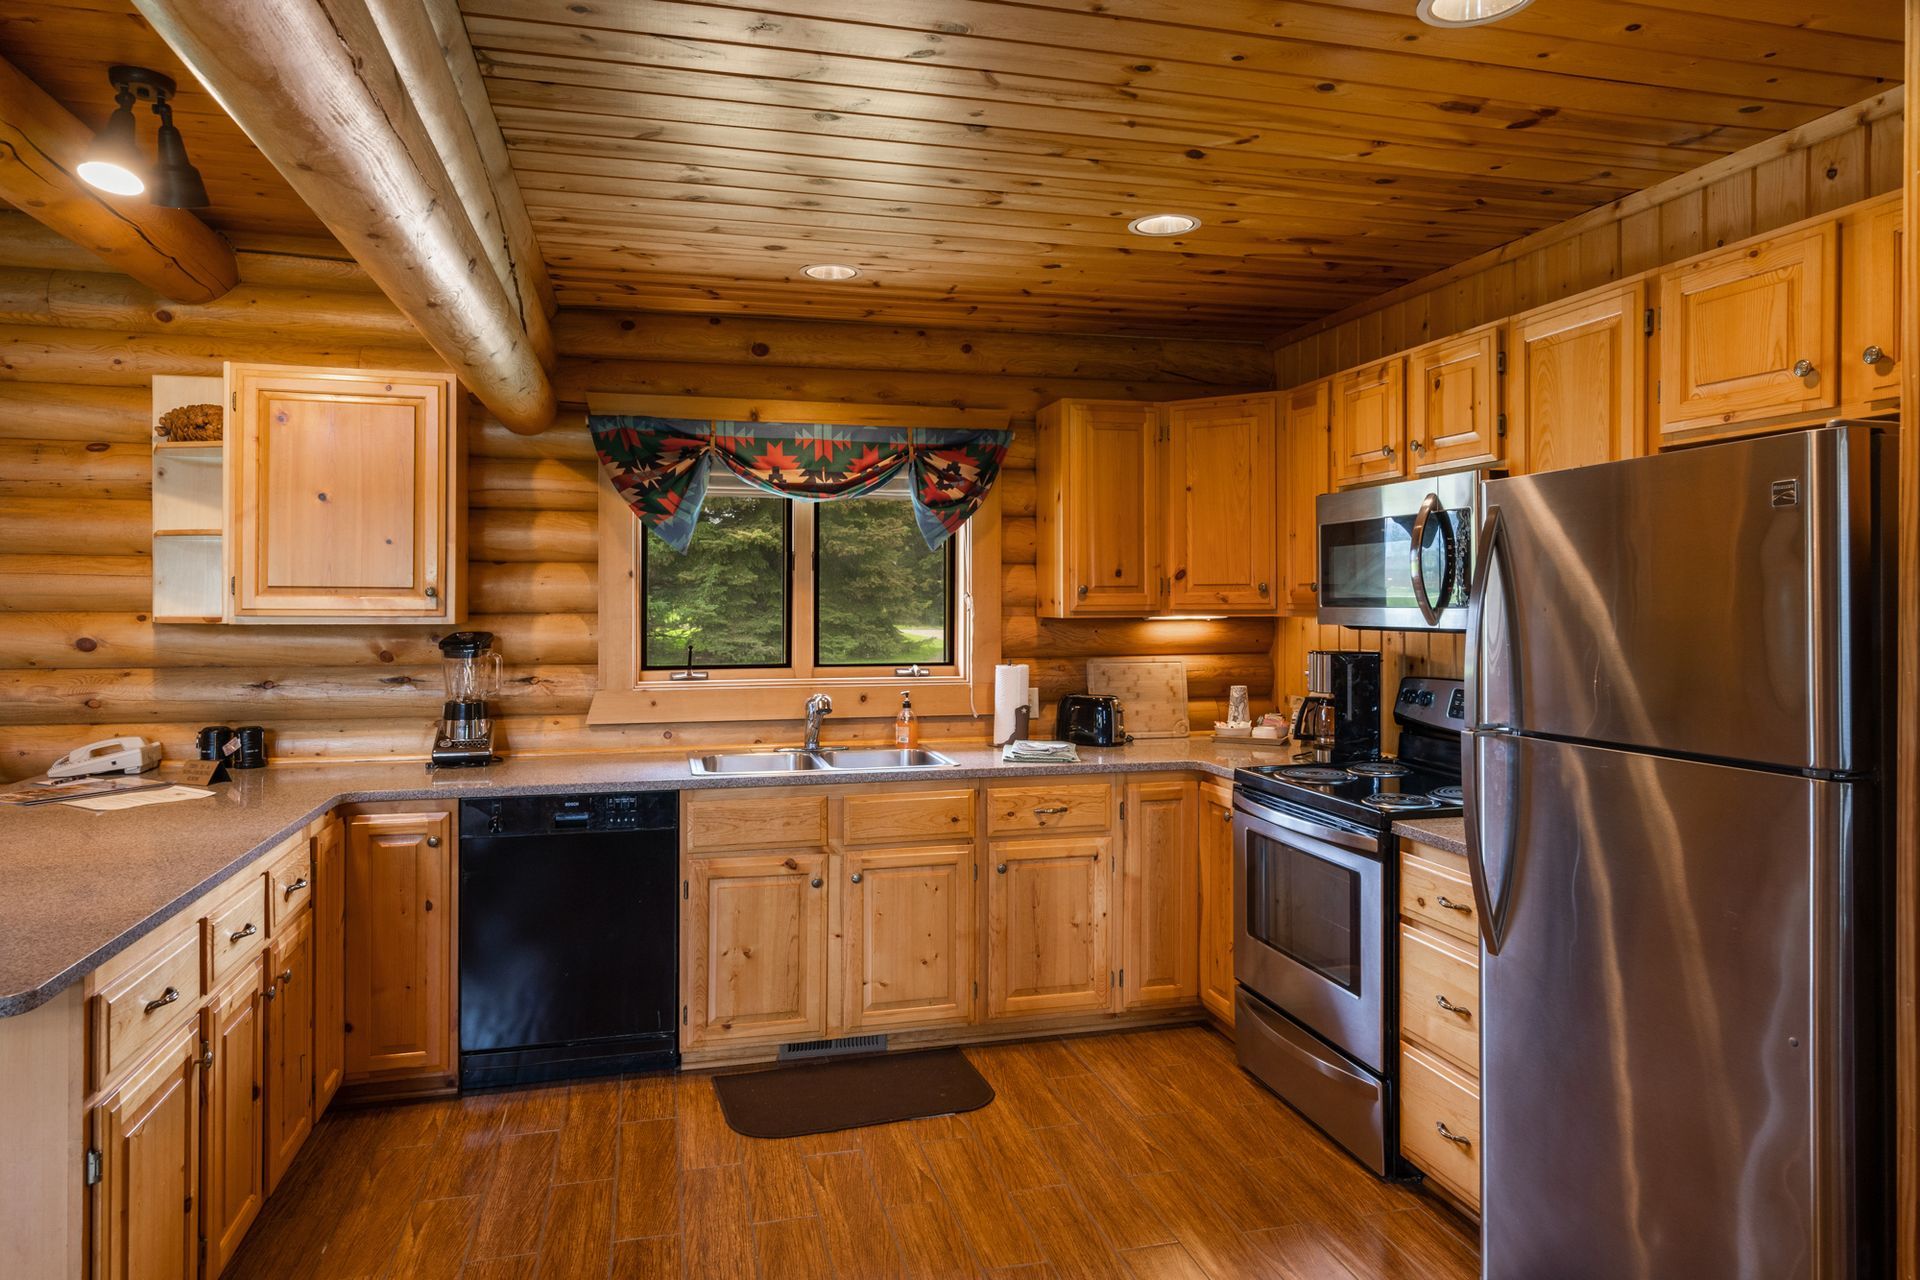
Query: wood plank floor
[(1145, 1155)]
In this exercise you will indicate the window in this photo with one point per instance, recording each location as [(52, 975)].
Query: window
[(723, 603)]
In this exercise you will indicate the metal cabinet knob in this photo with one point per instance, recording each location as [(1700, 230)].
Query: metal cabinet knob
[(433, 593), (1083, 591), (1417, 446), (247, 932), (815, 882), (1872, 355), (1386, 451), (1440, 1126), (206, 1056), (294, 886), (1313, 587), (286, 976), (1452, 1008), (856, 877), (167, 997), (271, 993), (433, 842), (1803, 369), (1263, 588), (1001, 869)]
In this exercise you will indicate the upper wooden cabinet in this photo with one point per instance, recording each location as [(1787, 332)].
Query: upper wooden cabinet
[(1222, 473), (1098, 517), (1369, 422), (1576, 378), (1870, 323), (1305, 426), (344, 495), (1453, 402), (399, 947), (1750, 331)]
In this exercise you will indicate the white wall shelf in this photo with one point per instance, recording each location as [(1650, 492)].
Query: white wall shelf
[(189, 573)]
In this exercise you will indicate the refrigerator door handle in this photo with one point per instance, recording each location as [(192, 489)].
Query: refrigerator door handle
[(1417, 566), (1494, 552), (1492, 881)]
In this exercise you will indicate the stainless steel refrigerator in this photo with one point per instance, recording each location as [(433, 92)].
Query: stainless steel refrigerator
[(1679, 697)]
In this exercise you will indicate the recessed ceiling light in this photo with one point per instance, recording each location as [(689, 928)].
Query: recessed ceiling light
[(1163, 224), (829, 271), (1468, 13)]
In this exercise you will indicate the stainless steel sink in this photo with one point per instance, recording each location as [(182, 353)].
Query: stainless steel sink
[(757, 762), (867, 760)]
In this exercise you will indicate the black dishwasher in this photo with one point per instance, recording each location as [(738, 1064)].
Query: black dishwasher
[(569, 925)]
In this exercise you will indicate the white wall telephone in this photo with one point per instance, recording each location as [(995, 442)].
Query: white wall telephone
[(109, 755)]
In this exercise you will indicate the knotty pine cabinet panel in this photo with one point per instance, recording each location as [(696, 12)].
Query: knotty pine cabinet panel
[(233, 1171), (1213, 856), (329, 960), (1306, 430), (1870, 294), (909, 925), (1222, 472), (1098, 518), (1159, 896), (399, 946), (344, 495), (145, 1210), (290, 1000), (1750, 332), (755, 950), (1048, 936), (1453, 402), (1369, 422), (1576, 381)]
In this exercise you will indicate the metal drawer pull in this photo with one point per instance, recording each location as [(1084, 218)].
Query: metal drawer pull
[(1058, 808), (1440, 1126), (247, 932), (1446, 903), (1451, 1007), (167, 997), (295, 886)]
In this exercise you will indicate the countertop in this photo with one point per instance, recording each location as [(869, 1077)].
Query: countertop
[(78, 887), (1442, 833)]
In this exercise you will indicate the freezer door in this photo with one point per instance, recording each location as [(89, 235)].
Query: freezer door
[(1721, 601), (1666, 1049)]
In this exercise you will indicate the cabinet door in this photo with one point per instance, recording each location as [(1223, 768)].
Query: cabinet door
[(289, 996), (233, 1168), (1870, 291), (1453, 402), (1221, 476), (146, 1221), (1048, 949), (1098, 510), (340, 502), (910, 937), (1369, 422), (1303, 479), (329, 959), (399, 978), (1214, 841), (755, 966), (1576, 378), (1750, 333), (1159, 899)]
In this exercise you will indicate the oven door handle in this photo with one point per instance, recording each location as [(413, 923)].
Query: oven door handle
[(1252, 811)]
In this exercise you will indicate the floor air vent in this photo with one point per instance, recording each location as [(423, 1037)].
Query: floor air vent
[(801, 1050)]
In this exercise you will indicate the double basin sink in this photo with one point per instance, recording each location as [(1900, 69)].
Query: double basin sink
[(830, 759)]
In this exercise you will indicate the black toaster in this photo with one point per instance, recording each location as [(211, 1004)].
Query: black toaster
[(1092, 720)]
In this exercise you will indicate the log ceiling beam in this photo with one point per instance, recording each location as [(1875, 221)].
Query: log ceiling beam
[(41, 145), (314, 85)]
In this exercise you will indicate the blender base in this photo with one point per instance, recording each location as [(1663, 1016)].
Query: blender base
[(448, 754)]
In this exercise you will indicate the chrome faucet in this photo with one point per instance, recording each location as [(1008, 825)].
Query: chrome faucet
[(818, 705)]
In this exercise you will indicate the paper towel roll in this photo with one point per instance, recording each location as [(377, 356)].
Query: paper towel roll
[(1009, 695)]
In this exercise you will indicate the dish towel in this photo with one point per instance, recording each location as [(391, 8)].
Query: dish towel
[(1024, 752)]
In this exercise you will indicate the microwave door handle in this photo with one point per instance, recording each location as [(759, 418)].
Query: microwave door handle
[(1418, 568)]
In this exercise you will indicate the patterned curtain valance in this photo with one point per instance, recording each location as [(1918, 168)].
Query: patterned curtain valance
[(660, 465)]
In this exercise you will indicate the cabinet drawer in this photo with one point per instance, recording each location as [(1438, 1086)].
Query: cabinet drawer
[(290, 881), (795, 819), (236, 929), (1436, 891), (1440, 997), (1440, 1123), (1085, 807), (137, 1009), (908, 819)]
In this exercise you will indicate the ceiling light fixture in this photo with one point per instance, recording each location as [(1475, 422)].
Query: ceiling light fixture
[(1164, 224), (829, 271), (1467, 13), (114, 162)]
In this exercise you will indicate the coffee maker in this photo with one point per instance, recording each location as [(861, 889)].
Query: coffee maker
[(472, 671), (1340, 717)]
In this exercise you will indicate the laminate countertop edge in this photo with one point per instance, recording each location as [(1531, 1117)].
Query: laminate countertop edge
[(77, 888), (1442, 833)]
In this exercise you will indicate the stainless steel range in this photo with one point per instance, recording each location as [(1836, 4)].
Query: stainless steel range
[(1315, 895)]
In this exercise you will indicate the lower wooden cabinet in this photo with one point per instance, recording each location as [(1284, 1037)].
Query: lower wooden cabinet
[(399, 947), (909, 937), (1440, 1022), (289, 997), (329, 956), (1159, 960), (1213, 845), (1048, 943), (146, 1207), (755, 953), (233, 1176)]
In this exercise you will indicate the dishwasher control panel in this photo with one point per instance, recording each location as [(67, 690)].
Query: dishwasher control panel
[(548, 815)]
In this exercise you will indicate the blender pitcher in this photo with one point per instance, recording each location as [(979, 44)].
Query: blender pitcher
[(473, 672)]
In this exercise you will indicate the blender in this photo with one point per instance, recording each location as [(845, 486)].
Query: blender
[(465, 736)]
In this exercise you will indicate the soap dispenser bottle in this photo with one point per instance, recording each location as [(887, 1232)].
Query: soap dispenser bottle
[(906, 725)]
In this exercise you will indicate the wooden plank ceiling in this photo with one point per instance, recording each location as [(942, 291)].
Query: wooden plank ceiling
[(978, 160)]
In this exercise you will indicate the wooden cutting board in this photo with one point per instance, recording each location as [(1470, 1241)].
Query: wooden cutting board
[(1152, 693)]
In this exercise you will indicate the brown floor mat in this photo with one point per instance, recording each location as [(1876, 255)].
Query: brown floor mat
[(850, 1093)]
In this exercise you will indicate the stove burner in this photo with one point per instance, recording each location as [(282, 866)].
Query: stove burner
[(1447, 795), (1314, 773), (1378, 769), (1388, 802)]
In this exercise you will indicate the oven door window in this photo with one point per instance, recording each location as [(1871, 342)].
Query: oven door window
[(1367, 564), (1306, 908)]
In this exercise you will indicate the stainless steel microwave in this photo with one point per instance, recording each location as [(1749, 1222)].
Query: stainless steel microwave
[(1399, 557)]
